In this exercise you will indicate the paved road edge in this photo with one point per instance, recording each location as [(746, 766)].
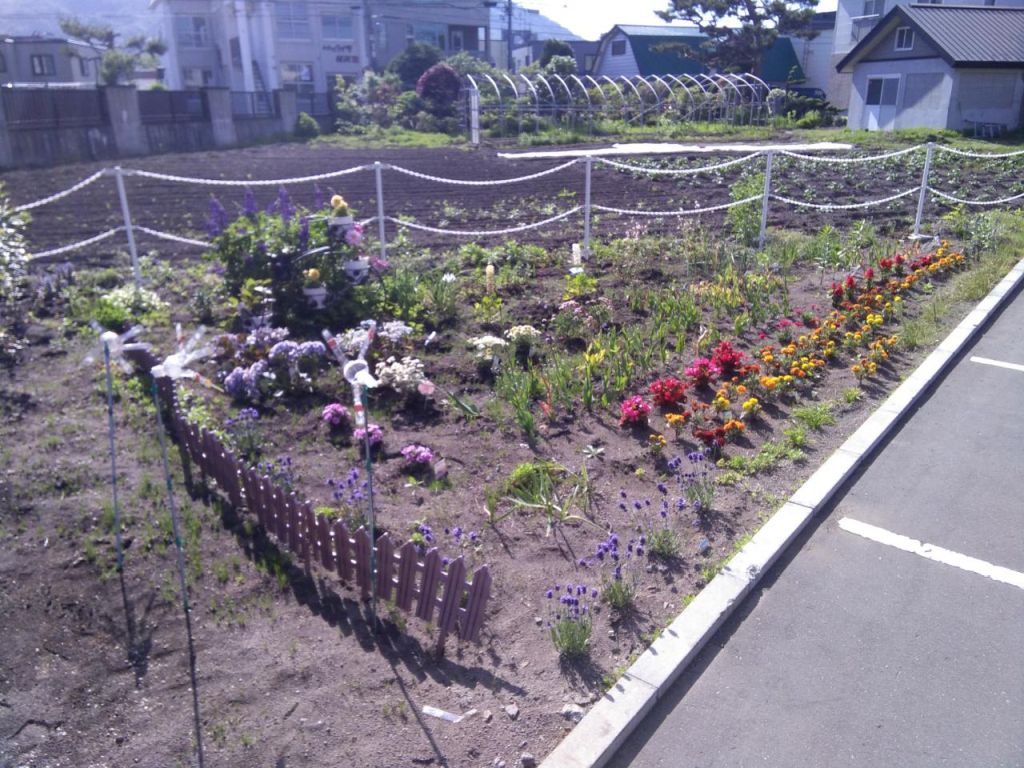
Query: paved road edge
[(614, 717)]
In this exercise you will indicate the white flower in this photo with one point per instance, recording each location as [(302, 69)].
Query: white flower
[(486, 347), (522, 334), (447, 277), (402, 375)]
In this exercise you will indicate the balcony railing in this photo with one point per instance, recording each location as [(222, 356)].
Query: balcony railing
[(253, 104)]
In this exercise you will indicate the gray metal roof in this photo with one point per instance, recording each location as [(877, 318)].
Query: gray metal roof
[(972, 34)]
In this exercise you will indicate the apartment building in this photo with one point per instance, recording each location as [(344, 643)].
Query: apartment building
[(262, 45)]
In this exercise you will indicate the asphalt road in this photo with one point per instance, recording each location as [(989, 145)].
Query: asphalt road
[(856, 653)]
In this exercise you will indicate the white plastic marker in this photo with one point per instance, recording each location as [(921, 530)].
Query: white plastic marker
[(931, 552)]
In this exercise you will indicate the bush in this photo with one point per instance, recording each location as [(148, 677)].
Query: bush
[(416, 59), (306, 127), (553, 48), (811, 119), (439, 87), (13, 252), (745, 220)]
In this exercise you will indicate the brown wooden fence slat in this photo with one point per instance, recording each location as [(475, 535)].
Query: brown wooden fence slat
[(476, 604), (278, 503), (428, 585), (385, 566), (407, 566), (449, 610), (324, 543), (342, 552), (363, 546), (309, 536), (294, 541)]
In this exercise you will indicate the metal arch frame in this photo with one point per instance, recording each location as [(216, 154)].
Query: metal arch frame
[(583, 88), (618, 90), (548, 86), (568, 91), (639, 98), (511, 82), (604, 98), (494, 85), (657, 98), (668, 88), (685, 88), (536, 99)]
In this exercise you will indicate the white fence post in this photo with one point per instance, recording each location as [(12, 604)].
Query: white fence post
[(126, 214), (924, 191), (474, 117), (589, 163), (381, 229), (764, 199)]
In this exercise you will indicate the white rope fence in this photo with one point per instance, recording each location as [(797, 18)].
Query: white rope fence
[(676, 171), (681, 212), (59, 195), (843, 206), (485, 232), (587, 208)]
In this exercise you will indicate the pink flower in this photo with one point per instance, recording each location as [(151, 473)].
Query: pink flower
[(354, 234), (335, 414), (633, 410)]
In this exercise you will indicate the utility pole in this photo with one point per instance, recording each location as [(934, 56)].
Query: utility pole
[(508, 9)]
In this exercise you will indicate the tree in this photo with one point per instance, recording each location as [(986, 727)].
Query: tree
[(117, 62), (416, 59), (732, 47), (554, 48)]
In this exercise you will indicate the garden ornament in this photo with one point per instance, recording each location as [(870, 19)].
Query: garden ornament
[(113, 346), (175, 366)]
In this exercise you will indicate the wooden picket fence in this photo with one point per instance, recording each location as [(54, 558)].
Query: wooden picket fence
[(402, 577)]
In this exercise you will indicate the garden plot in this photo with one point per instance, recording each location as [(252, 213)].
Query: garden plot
[(617, 430)]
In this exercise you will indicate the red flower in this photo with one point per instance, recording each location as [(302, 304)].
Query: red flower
[(668, 392)]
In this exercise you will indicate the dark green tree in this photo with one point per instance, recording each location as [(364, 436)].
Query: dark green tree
[(117, 62), (416, 59), (553, 48), (740, 48)]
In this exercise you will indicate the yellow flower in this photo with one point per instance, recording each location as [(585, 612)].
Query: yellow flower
[(337, 201), (312, 275)]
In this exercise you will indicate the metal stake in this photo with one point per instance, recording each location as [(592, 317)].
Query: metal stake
[(370, 517), (113, 459), (176, 527), (589, 164), (126, 214), (924, 191), (381, 232), (764, 199)]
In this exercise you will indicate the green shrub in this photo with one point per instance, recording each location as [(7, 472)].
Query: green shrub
[(13, 252), (745, 220), (306, 127)]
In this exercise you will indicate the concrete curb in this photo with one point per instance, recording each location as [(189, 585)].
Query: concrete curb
[(612, 719)]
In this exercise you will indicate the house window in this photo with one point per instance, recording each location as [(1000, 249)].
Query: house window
[(904, 39), (192, 31), (336, 27), (874, 7), (196, 77), (3, 63), (297, 77), (618, 48), (431, 34), (83, 66), (882, 91), (42, 64), (990, 2), (292, 20)]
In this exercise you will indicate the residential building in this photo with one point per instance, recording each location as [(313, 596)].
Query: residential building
[(939, 66), (303, 45), (529, 29), (815, 53), (856, 18), (47, 61), (629, 50)]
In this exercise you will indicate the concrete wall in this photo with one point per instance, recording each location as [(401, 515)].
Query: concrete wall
[(124, 134), (987, 96), (815, 57)]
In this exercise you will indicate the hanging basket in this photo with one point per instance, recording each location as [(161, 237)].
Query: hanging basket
[(357, 270)]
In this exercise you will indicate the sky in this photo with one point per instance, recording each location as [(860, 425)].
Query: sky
[(592, 18)]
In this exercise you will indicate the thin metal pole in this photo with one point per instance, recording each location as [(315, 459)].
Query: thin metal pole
[(370, 517), (474, 117), (126, 214), (764, 199), (924, 190), (113, 460), (589, 164), (381, 229), (176, 527)]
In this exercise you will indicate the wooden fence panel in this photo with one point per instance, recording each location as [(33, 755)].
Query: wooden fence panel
[(385, 566), (453, 591), (342, 552), (294, 541), (428, 585), (324, 543), (408, 565), (472, 618), (363, 547)]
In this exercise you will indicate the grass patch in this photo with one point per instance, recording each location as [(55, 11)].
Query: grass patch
[(388, 138), (815, 416), (766, 459)]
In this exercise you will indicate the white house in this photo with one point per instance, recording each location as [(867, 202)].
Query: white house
[(939, 66), (856, 18)]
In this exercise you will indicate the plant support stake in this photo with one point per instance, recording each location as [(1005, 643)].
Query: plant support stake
[(924, 191), (764, 199), (126, 214), (113, 458), (381, 224), (176, 527), (589, 164)]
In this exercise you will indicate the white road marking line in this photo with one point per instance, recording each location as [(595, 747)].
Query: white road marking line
[(931, 552), (998, 363)]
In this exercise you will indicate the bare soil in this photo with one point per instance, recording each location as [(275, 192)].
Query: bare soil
[(290, 672)]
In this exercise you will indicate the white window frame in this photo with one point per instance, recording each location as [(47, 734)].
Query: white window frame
[(328, 29), (292, 20), (873, 8), (881, 92), (908, 39), (192, 31), (43, 64)]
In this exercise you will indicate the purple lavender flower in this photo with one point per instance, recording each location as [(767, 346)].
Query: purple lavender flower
[(249, 206), (284, 205), (318, 197), (217, 221), (303, 234)]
